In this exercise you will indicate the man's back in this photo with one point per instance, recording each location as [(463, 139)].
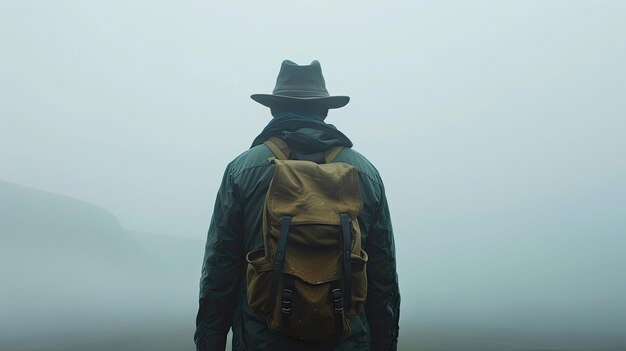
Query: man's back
[(236, 228)]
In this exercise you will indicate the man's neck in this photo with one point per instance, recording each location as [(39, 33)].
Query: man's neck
[(311, 115)]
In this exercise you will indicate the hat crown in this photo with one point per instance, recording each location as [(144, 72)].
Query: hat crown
[(300, 80), (297, 84)]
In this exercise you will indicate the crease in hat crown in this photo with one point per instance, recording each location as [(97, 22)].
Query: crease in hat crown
[(300, 84)]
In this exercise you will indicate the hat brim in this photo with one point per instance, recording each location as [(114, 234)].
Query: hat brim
[(271, 100)]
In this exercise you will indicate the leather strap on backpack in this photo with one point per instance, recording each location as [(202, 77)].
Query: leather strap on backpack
[(279, 148), (279, 260), (347, 269), (332, 153)]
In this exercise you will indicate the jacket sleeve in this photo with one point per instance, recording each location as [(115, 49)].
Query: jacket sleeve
[(382, 306), (221, 270)]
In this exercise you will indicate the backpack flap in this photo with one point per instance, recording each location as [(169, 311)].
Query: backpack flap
[(313, 195)]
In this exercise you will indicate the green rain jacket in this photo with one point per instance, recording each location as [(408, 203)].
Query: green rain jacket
[(235, 229)]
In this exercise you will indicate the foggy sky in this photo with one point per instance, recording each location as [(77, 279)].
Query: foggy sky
[(498, 128)]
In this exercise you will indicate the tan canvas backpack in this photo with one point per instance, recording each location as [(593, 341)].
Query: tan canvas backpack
[(310, 277)]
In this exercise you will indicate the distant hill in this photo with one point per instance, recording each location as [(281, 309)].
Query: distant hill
[(31, 218), (69, 268)]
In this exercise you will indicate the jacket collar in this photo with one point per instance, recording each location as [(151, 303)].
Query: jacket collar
[(308, 128)]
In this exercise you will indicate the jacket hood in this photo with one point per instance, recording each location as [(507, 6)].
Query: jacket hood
[(307, 133)]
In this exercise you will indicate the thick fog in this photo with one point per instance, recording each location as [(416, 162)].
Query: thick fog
[(498, 127)]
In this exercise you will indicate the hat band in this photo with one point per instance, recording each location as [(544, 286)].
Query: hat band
[(301, 93)]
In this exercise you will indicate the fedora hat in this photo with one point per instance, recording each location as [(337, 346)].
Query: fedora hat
[(300, 84)]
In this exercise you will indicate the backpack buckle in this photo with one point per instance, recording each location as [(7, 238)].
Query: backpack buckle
[(337, 297), (286, 301)]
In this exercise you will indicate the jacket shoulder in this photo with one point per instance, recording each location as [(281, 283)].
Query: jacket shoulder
[(252, 158), (361, 163)]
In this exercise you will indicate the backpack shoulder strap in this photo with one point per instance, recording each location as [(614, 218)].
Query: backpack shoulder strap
[(332, 153), (279, 148)]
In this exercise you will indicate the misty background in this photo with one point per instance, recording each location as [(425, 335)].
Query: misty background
[(497, 126)]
